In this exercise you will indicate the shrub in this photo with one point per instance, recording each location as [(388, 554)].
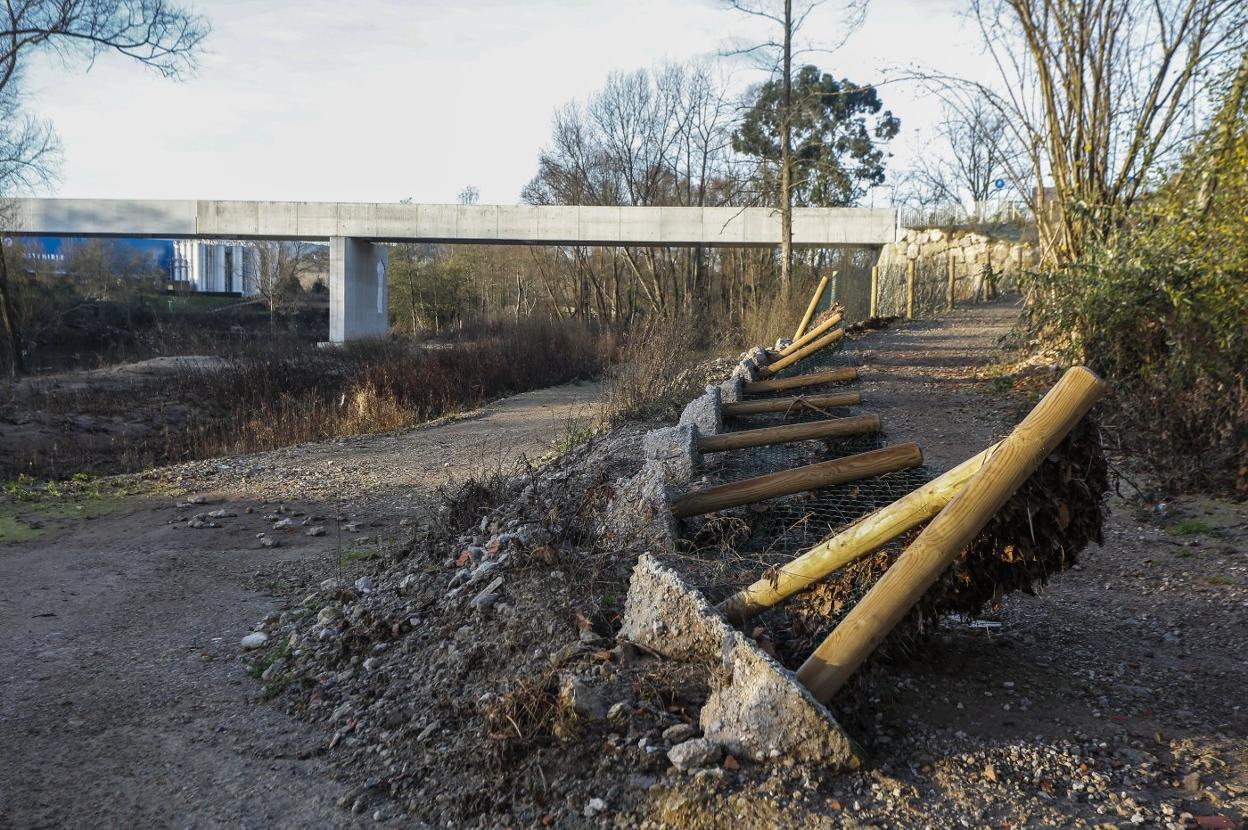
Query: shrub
[(1162, 311)]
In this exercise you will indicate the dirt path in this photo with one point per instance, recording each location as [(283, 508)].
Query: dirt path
[(123, 702)]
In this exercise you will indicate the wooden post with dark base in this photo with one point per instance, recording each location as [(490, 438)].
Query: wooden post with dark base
[(903, 584), (813, 379), (731, 410), (811, 477), (788, 433)]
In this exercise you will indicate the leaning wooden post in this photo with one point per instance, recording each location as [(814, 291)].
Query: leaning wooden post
[(812, 335), (952, 280), (910, 289), (875, 290), (862, 537), (813, 379), (811, 477), (788, 433), (758, 407), (903, 584), (810, 309), (801, 354)]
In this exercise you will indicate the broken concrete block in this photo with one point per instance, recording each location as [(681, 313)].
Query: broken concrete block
[(676, 448), (731, 390), (782, 344), (746, 371), (758, 709), (763, 713), (703, 413), (640, 510), (759, 355), (665, 616)]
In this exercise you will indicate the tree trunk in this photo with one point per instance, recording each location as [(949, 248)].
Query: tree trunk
[(8, 315), (786, 153)]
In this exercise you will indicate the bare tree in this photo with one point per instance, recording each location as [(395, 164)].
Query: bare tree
[(278, 266), (1101, 94), (160, 35), (978, 150), (775, 55)]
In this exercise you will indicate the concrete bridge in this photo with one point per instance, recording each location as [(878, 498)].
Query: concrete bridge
[(357, 262)]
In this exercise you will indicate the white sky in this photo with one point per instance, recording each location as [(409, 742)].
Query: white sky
[(377, 100)]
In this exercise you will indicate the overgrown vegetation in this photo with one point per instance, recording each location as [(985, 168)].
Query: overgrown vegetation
[(285, 391), (1162, 311)]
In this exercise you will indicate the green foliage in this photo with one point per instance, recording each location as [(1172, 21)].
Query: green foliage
[(836, 152), (1162, 311)]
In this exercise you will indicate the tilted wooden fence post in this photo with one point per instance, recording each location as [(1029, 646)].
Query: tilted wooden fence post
[(910, 289), (810, 309), (903, 584)]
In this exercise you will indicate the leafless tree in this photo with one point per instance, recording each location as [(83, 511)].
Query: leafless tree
[(160, 35), (976, 149), (1101, 94), (775, 55), (278, 266)]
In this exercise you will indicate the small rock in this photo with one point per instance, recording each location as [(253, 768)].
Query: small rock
[(679, 733), (269, 542), (328, 614), (694, 754), (254, 640), (282, 524), (364, 584), (317, 530), (593, 807)]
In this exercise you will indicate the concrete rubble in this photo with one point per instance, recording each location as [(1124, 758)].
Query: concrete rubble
[(758, 710)]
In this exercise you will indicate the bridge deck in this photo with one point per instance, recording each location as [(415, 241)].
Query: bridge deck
[(513, 224)]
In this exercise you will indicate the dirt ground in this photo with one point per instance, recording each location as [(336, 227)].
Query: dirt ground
[(1115, 699), (125, 702)]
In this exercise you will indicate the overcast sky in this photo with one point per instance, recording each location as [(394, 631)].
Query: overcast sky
[(377, 100)]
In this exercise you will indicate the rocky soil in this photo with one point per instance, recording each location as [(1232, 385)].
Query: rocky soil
[(459, 668)]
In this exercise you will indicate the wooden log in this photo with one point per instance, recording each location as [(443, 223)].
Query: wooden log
[(812, 335), (875, 290), (910, 290), (812, 379), (802, 353), (810, 309), (788, 433), (810, 477), (903, 584), (730, 410), (952, 282), (862, 537)]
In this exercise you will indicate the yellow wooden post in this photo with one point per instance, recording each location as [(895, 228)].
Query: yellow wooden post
[(910, 289), (875, 290), (811, 477), (810, 309), (903, 584), (862, 537)]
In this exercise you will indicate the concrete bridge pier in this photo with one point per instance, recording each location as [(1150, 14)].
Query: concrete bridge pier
[(357, 289)]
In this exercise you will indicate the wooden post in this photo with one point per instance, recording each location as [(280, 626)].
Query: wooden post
[(810, 309), (862, 537), (812, 335), (875, 290), (813, 379), (731, 410), (910, 289), (949, 291), (801, 354), (903, 584), (788, 433), (811, 477)]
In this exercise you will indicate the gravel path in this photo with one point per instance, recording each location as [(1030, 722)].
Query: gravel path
[(124, 701)]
